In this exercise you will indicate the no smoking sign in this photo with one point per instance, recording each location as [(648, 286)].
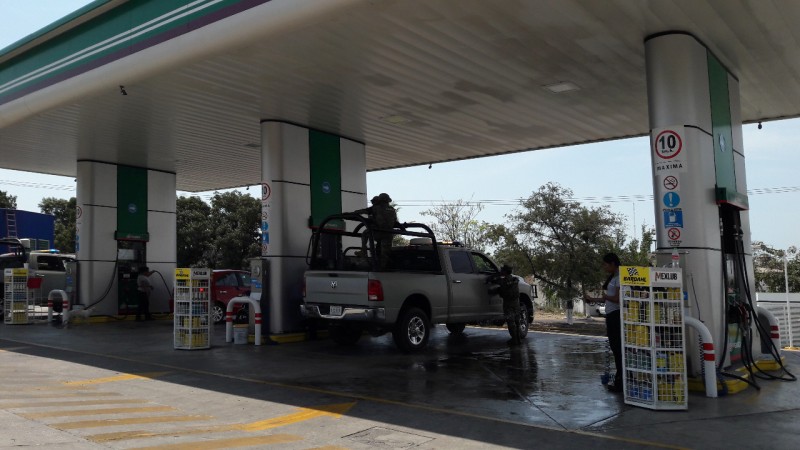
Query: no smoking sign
[(671, 182)]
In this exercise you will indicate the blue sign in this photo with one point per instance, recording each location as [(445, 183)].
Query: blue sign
[(673, 218), (671, 200), (326, 187)]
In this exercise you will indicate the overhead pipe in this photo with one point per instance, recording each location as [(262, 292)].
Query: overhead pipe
[(709, 355)]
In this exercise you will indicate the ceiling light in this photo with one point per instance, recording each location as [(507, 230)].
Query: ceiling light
[(561, 87), (396, 119)]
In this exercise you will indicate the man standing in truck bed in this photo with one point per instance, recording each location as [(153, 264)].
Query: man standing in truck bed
[(384, 217), (508, 289)]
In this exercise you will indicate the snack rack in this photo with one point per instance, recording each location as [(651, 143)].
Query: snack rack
[(653, 338), (192, 315), (17, 303)]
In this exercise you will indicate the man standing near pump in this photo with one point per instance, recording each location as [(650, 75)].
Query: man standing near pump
[(144, 288)]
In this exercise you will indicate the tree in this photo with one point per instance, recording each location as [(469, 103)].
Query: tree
[(560, 241), (8, 201), (769, 268), (65, 214), (193, 222), (235, 223), (457, 222)]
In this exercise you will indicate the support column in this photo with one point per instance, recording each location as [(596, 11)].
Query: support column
[(129, 207), (306, 175), (698, 177)]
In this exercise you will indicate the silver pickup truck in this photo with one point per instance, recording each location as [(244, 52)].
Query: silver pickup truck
[(421, 283)]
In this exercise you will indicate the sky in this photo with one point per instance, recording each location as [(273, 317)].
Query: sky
[(616, 174)]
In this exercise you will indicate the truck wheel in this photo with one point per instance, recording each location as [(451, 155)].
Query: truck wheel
[(523, 317), (218, 312), (456, 328), (412, 330), (343, 335)]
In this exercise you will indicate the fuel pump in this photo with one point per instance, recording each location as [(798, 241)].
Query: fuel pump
[(131, 258), (737, 314), (71, 281), (259, 289)]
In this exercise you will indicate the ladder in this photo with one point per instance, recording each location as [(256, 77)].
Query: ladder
[(11, 223)]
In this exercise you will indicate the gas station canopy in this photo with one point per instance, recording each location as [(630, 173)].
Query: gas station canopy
[(416, 81)]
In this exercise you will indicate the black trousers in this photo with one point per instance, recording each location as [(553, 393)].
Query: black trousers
[(143, 308), (613, 330)]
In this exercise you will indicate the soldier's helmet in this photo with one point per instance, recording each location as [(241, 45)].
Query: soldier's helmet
[(384, 197), (506, 269), (375, 200)]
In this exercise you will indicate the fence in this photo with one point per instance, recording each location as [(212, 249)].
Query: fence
[(785, 312)]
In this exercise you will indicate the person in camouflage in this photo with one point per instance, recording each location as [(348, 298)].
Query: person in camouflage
[(382, 216), (508, 289)]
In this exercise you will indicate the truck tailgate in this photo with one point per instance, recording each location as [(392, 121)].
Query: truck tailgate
[(339, 288)]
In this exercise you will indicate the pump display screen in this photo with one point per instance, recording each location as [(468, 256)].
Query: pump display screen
[(126, 254)]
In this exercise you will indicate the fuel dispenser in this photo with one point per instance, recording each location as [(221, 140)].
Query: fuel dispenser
[(131, 257), (71, 281), (280, 302)]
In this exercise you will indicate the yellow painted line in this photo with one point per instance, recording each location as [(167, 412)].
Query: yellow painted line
[(124, 377), (97, 412), (63, 395), (70, 403), (128, 421), (335, 411), (229, 443), (48, 387)]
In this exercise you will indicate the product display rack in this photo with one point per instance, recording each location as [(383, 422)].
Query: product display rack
[(653, 338), (192, 315), (17, 303)]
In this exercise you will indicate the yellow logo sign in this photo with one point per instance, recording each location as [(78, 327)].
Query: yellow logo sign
[(634, 276), (182, 274)]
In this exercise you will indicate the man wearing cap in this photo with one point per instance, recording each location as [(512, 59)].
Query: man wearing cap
[(508, 289), (383, 217)]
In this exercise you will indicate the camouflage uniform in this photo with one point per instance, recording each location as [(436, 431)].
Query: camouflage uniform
[(382, 215), (508, 289)]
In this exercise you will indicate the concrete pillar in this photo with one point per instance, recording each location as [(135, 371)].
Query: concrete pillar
[(698, 172), (306, 176), (119, 203)]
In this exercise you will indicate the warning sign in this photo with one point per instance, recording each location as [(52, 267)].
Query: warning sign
[(674, 234), (667, 144), (670, 182)]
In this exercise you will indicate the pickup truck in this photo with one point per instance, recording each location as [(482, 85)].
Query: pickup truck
[(49, 266), (422, 283)]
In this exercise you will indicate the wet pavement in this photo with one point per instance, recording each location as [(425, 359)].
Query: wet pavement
[(464, 391)]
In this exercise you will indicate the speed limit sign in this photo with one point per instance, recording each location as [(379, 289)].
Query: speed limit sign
[(668, 144)]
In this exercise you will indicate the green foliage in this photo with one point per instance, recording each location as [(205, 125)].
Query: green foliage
[(221, 236), (235, 223), (193, 224), (65, 229), (8, 201), (558, 240), (457, 222), (769, 270)]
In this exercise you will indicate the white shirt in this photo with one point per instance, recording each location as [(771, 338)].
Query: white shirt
[(143, 283), (611, 291)]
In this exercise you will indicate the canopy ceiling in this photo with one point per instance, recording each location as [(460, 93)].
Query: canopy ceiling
[(416, 81)]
